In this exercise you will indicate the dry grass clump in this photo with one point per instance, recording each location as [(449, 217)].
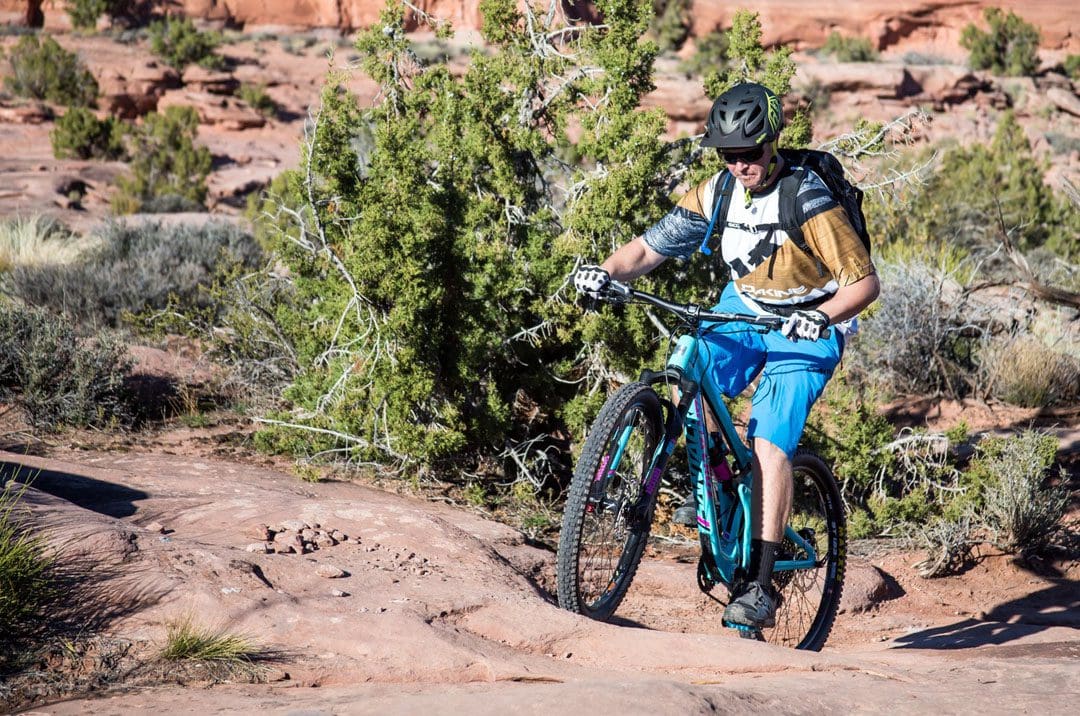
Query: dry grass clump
[(202, 652), (26, 583), (1022, 370), (184, 639), (39, 241)]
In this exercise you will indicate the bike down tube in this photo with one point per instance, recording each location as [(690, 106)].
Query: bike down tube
[(724, 540), (738, 536)]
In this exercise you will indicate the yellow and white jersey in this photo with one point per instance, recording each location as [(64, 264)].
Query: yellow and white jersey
[(766, 264)]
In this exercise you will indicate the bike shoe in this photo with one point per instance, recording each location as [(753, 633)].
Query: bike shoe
[(686, 514), (754, 607)]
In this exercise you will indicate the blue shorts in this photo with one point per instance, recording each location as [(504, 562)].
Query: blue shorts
[(793, 374)]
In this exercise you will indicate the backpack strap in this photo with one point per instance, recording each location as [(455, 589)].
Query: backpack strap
[(789, 190), (721, 202)]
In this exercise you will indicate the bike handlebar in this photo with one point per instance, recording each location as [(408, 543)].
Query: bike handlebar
[(619, 292)]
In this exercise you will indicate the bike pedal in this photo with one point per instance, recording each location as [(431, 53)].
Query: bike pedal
[(744, 628)]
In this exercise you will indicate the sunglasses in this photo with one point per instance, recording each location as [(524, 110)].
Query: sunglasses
[(745, 155)]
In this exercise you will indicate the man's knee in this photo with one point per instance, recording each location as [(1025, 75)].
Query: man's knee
[(769, 454)]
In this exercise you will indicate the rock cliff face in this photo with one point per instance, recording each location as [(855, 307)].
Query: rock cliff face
[(796, 22)]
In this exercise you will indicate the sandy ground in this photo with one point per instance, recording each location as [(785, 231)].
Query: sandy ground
[(442, 610)]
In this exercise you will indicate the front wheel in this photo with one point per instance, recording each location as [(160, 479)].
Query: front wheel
[(609, 509), (808, 599)]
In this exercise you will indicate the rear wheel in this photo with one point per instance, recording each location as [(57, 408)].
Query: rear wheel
[(808, 599), (609, 509)]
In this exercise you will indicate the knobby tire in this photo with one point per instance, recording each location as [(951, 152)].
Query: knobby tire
[(608, 514)]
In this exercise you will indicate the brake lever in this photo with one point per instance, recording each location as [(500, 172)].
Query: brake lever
[(617, 293)]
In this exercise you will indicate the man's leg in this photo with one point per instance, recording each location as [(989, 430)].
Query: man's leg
[(771, 498), (771, 507), (792, 380)]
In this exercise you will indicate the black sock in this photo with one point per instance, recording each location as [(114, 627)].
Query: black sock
[(762, 559)]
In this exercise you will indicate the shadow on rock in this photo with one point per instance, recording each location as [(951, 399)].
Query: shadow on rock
[(97, 495), (1055, 606)]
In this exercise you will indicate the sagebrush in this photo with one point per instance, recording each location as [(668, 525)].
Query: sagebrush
[(136, 268), (1021, 498), (922, 336), (57, 378)]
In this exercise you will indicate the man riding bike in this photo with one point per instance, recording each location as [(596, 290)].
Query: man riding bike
[(824, 282)]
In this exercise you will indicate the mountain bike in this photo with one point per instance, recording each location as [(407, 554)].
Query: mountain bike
[(612, 498)]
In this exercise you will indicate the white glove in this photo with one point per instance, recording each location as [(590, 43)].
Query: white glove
[(805, 325), (591, 280)]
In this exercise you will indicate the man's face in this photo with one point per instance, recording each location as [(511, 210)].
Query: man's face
[(750, 166)]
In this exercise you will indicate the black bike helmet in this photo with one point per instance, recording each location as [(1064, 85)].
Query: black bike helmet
[(746, 115)]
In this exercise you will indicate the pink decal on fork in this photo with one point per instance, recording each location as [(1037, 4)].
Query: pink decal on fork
[(603, 467), (653, 482)]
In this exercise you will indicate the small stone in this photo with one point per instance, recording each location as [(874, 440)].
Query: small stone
[(355, 540), (156, 527), (308, 534), (295, 525), (338, 593), (329, 571), (261, 533), (338, 536), (286, 549), (259, 547)]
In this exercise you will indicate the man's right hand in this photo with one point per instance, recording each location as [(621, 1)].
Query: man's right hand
[(591, 280)]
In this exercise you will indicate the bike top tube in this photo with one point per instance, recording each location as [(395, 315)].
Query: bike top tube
[(619, 292)]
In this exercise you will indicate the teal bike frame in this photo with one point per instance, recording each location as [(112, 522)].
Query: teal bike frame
[(723, 490)]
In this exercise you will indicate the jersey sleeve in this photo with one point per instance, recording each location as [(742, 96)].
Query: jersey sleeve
[(829, 234), (680, 232)]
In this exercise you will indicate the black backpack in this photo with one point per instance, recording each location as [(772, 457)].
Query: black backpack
[(827, 167)]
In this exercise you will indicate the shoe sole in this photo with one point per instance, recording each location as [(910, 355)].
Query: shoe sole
[(740, 620), (748, 627)]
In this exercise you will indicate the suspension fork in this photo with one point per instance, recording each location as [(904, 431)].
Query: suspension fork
[(673, 421)]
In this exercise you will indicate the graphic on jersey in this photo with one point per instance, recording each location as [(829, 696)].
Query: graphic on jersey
[(765, 264)]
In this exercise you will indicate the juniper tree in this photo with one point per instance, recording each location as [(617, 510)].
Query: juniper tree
[(429, 237)]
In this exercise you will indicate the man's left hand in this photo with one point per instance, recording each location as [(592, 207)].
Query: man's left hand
[(805, 325)]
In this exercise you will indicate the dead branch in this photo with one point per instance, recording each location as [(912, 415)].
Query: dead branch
[(1031, 284)]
